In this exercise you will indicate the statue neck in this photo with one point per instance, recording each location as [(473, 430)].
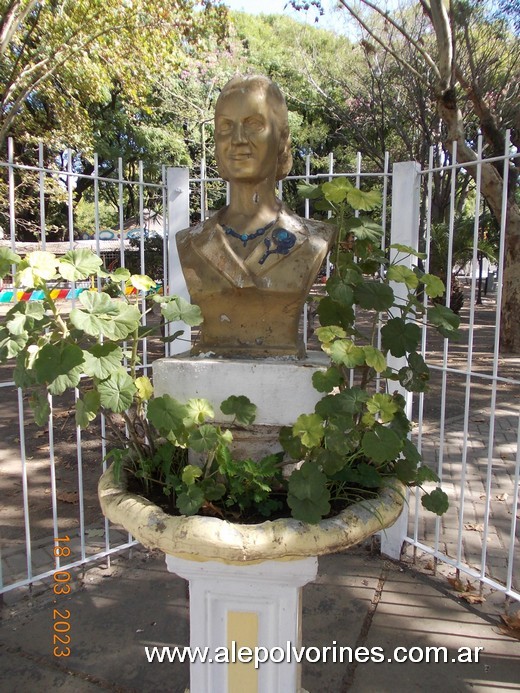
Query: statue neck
[(251, 205)]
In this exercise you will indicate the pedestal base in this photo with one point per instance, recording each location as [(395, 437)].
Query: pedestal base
[(249, 618), (281, 389)]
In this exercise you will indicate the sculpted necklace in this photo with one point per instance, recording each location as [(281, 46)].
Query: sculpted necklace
[(245, 237)]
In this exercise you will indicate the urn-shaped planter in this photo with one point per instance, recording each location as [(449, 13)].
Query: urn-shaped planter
[(245, 580)]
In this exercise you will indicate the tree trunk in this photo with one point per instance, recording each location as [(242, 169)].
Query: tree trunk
[(492, 188)]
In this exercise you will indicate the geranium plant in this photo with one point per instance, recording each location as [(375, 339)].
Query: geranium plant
[(358, 436)]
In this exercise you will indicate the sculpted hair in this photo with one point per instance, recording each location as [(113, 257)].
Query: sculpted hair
[(281, 114)]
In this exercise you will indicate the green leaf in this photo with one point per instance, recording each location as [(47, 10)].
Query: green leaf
[(191, 501), (87, 408), (340, 291), (329, 333), (445, 320), (198, 411), (400, 337), (352, 400), (144, 388), (383, 406), (7, 260), (100, 360), (36, 268), (426, 474), (102, 316), (39, 403), (411, 453), (240, 407), (364, 229), (24, 316), (166, 414), (345, 352), (121, 274), (436, 501), (177, 308), (327, 406), (381, 444), (308, 495), (374, 358), (407, 250), (59, 366), (291, 444), (403, 275), (433, 286), (368, 476), (374, 296), (142, 282), (308, 190), (213, 490), (190, 474), (204, 438), (415, 376), (11, 345), (336, 190), (79, 264), (309, 428), (364, 200), (330, 461), (336, 440), (331, 312), (325, 381), (406, 470), (117, 391)]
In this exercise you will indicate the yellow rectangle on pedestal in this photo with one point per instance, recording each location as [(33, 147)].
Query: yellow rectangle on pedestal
[(242, 632)]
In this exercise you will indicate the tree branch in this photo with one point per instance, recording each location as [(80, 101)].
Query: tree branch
[(384, 45)]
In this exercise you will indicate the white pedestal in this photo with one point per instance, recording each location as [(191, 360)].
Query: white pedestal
[(245, 606), (281, 389)]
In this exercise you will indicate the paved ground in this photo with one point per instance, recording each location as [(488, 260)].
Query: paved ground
[(359, 600), (474, 470)]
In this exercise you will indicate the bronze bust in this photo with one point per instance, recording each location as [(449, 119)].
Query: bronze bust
[(251, 266)]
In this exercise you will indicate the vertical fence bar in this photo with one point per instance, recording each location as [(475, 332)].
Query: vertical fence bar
[(178, 193), (514, 514), (424, 336), (11, 186), (444, 380), (469, 358), (404, 229), (41, 174), (496, 350)]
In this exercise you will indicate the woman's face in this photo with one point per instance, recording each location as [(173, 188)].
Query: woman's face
[(247, 136)]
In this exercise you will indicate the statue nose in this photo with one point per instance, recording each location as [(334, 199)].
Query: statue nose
[(239, 133)]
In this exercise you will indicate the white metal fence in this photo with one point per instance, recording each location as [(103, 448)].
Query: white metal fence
[(468, 426)]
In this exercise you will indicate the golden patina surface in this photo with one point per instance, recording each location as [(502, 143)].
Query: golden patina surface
[(250, 267)]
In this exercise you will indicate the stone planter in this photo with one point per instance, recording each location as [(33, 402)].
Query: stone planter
[(245, 580), (212, 539)]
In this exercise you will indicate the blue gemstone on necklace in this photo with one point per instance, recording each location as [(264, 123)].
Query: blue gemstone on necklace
[(244, 237)]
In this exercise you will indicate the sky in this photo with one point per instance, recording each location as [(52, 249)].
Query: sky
[(279, 7)]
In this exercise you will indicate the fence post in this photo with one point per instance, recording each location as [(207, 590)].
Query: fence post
[(178, 196), (404, 229)]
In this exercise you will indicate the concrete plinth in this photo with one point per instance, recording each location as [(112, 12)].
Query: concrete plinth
[(242, 614), (281, 389)]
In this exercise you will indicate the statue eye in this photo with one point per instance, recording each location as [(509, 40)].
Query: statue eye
[(254, 124), (224, 127)]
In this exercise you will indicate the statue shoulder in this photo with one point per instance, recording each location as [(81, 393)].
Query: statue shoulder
[(322, 229), (313, 229), (186, 236)]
